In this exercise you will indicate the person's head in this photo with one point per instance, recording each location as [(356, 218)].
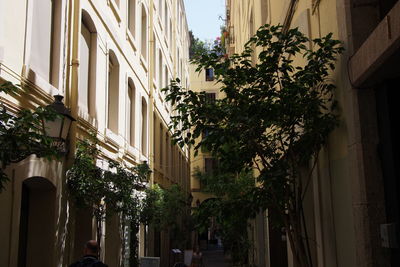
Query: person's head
[(91, 248), (197, 249)]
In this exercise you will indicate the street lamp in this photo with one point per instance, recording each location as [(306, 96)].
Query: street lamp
[(58, 128)]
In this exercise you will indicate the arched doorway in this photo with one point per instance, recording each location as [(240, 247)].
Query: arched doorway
[(37, 223), (210, 237)]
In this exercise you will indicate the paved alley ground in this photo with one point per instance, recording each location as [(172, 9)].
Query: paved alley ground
[(214, 257)]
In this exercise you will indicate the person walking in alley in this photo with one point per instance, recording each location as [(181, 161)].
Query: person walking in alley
[(197, 258), (90, 258)]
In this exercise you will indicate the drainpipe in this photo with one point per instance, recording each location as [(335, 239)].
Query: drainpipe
[(71, 91), (151, 75), (151, 112)]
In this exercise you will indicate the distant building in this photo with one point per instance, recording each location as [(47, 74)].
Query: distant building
[(203, 81), (352, 207), (109, 59)]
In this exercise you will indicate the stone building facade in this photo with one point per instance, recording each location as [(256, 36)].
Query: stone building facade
[(109, 59), (352, 208)]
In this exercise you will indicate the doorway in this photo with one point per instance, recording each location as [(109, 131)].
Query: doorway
[(37, 223)]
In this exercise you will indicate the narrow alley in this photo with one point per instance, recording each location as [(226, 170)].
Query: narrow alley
[(214, 257)]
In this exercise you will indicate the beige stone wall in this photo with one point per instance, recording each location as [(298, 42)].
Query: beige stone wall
[(147, 47), (328, 204), (198, 83)]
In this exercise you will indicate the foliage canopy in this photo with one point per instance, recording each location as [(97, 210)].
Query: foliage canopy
[(275, 114)]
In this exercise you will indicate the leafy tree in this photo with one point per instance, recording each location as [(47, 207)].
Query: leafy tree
[(165, 209), (275, 117), (23, 133), (198, 47), (116, 191), (230, 208)]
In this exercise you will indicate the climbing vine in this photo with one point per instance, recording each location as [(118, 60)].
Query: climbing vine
[(115, 191)]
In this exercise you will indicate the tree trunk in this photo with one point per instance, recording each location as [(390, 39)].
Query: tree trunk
[(296, 240)]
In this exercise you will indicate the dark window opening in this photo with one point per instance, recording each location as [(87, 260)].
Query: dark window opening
[(385, 6), (210, 165), (209, 75), (210, 98)]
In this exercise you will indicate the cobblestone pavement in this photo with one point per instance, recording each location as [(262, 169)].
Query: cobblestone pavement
[(214, 257)]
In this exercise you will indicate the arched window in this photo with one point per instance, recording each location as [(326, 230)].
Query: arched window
[(132, 16), (144, 127), (131, 113), (144, 33), (87, 65), (113, 92)]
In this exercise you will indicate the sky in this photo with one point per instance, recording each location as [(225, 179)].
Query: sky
[(202, 17)]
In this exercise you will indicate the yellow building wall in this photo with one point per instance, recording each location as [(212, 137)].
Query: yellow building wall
[(198, 83), (328, 204)]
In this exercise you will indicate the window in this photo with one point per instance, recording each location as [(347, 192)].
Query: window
[(205, 133), (210, 165), (161, 146), (84, 66), (144, 127), (210, 98), (87, 66), (113, 92), (209, 75), (160, 70), (165, 19), (170, 33), (154, 55), (45, 40), (159, 8), (131, 113), (166, 81), (132, 16), (144, 33), (178, 63), (253, 46), (167, 155)]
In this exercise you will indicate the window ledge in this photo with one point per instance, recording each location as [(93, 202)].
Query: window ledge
[(160, 22), (131, 153), (166, 40), (115, 9), (89, 121), (131, 39), (41, 83), (143, 62), (112, 139)]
